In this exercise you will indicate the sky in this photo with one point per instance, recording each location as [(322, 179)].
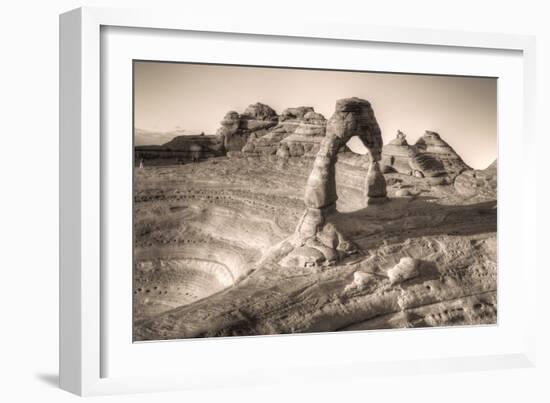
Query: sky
[(184, 98)]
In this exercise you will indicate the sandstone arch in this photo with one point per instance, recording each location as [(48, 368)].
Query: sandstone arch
[(352, 117)]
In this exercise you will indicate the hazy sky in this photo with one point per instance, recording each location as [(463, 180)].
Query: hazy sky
[(176, 96)]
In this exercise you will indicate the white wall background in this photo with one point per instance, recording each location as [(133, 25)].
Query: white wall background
[(29, 197)]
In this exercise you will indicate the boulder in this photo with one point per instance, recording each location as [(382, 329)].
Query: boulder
[(304, 256), (406, 269), (360, 281)]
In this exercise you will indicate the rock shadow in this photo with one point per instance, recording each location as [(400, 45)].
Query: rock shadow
[(405, 218)]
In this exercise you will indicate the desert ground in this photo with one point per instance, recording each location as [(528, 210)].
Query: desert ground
[(217, 253)]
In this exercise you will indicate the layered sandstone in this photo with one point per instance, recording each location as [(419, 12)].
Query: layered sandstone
[(478, 183), (298, 132), (254, 121), (435, 157), (429, 157), (316, 240), (396, 154)]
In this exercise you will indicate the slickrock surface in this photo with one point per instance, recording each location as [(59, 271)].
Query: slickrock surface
[(478, 183), (217, 252)]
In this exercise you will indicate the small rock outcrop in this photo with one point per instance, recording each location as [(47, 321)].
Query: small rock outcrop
[(360, 281), (406, 269), (479, 183), (352, 117)]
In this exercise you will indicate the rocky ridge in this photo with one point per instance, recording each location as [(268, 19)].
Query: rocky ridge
[(430, 156)]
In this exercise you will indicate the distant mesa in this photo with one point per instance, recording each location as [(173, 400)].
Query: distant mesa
[(181, 149)]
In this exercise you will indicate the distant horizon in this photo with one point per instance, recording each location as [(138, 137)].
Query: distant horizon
[(174, 99)]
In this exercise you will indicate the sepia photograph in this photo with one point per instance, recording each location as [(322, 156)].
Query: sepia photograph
[(275, 200)]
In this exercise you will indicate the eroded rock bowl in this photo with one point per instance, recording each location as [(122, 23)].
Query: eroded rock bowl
[(161, 285)]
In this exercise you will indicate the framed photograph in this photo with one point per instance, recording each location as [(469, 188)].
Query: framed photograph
[(328, 199)]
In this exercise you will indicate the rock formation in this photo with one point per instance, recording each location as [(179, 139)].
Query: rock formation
[(254, 121), (396, 154), (352, 117), (406, 269), (181, 149), (478, 183), (435, 157), (298, 132), (429, 157), (375, 187)]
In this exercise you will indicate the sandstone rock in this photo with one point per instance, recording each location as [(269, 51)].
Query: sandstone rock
[(479, 183), (396, 154), (295, 149), (329, 236), (360, 281), (403, 193), (295, 113), (303, 256), (259, 111), (438, 181), (321, 184), (353, 117), (302, 145), (430, 156), (283, 151), (237, 129), (406, 269), (312, 125), (435, 157), (301, 128), (375, 184), (311, 222)]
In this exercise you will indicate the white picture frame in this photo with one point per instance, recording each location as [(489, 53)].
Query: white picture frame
[(85, 343)]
